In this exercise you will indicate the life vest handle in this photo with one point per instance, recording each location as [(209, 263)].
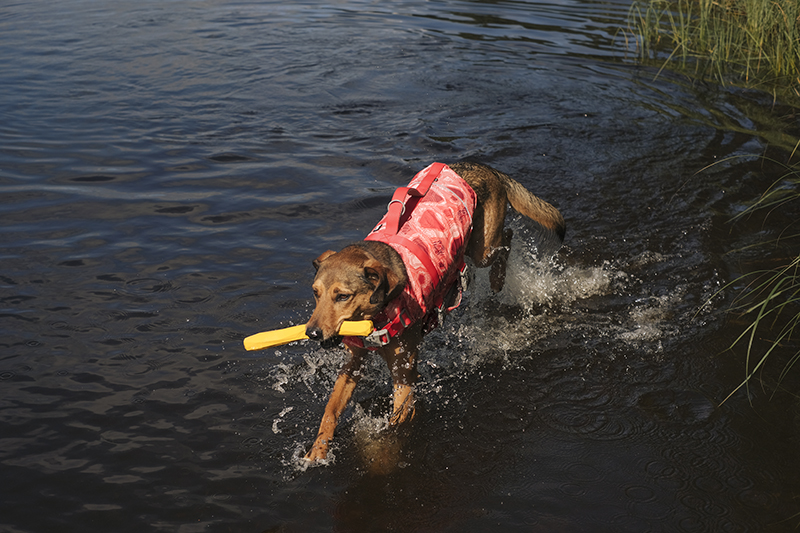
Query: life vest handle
[(397, 207)]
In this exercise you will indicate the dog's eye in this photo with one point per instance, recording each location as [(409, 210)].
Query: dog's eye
[(342, 297)]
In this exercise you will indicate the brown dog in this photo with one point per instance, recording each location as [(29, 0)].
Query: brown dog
[(403, 275)]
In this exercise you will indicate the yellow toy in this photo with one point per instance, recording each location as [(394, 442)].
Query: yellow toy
[(276, 337)]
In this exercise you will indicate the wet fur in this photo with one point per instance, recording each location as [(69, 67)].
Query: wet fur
[(359, 281)]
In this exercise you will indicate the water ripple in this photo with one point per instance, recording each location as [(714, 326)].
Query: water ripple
[(169, 169)]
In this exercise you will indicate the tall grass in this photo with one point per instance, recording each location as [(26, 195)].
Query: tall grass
[(771, 298), (751, 42)]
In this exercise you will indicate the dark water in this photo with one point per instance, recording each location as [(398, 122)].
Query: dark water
[(168, 170)]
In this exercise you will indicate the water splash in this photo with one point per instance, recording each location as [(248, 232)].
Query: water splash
[(548, 304), (536, 301), (275, 428), (532, 282)]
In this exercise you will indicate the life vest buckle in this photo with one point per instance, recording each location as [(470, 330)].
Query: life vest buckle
[(377, 339), (381, 337)]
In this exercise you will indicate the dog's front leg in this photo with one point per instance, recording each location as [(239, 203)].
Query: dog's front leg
[(403, 396), (342, 391), (401, 356)]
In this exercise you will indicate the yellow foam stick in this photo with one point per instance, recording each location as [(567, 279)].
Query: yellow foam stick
[(276, 337), (356, 328)]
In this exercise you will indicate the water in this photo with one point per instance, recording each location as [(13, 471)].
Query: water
[(169, 170)]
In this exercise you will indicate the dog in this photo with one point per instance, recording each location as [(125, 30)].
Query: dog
[(407, 274)]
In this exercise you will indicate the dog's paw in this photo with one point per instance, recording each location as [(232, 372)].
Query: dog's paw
[(402, 415), (318, 452)]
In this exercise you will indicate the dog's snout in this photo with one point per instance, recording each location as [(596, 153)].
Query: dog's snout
[(314, 333)]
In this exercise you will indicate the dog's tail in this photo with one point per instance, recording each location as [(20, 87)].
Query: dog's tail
[(533, 207)]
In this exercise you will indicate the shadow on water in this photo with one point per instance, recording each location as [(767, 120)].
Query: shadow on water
[(169, 170)]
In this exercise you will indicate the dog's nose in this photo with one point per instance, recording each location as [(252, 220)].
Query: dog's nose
[(314, 333)]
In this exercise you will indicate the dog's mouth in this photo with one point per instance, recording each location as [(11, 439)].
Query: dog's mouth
[(331, 342)]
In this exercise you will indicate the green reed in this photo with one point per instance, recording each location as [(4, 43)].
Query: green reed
[(771, 298), (754, 43)]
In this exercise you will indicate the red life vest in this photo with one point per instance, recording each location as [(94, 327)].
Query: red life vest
[(429, 224)]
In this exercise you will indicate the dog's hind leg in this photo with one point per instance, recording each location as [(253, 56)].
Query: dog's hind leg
[(499, 260), (489, 244), (342, 391)]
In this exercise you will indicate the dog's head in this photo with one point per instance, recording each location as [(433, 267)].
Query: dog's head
[(350, 285)]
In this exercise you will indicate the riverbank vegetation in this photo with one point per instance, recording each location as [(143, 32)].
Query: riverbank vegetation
[(771, 298), (752, 43), (769, 301)]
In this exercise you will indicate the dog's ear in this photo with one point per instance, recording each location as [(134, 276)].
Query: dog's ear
[(386, 283), (318, 261)]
